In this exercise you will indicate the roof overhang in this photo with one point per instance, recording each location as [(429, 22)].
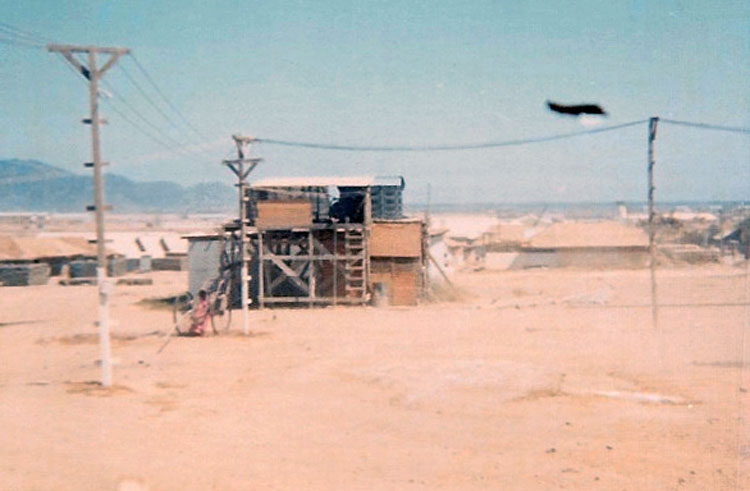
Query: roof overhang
[(322, 182)]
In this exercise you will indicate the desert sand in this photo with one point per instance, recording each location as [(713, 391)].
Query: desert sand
[(531, 380)]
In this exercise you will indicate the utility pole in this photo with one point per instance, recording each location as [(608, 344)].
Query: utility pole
[(652, 124), (93, 74), (237, 166)]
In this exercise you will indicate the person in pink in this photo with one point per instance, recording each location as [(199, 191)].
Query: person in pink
[(200, 316)]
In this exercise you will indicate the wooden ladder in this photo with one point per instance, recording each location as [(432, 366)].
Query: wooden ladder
[(355, 264)]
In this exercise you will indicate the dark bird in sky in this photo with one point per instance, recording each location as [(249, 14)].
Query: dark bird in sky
[(576, 110)]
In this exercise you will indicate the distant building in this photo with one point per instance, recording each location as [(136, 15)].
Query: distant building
[(31, 260), (589, 245), (738, 239), (438, 249)]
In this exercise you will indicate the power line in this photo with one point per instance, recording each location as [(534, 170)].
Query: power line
[(119, 112), (439, 148), (139, 129), (36, 37), (45, 176), (148, 99), (125, 103), (706, 126), (20, 43), (18, 37), (175, 145), (157, 108), (130, 121), (164, 97)]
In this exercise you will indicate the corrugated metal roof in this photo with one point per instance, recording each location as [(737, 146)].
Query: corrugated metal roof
[(339, 181)]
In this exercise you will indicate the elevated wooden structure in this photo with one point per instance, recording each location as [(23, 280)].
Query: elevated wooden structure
[(327, 241)]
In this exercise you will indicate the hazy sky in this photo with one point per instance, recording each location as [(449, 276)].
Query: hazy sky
[(402, 73)]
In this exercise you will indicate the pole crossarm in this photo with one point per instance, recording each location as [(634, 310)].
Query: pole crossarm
[(241, 141), (67, 50), (244, 139), (234, 166), (74, 48)]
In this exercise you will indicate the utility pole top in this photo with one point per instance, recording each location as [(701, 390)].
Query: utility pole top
[(72, 48), (243, 139)]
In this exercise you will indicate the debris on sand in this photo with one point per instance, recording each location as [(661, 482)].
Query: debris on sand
[(648, 397)]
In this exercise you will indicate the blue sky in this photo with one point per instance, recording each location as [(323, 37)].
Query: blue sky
[(402, 73)]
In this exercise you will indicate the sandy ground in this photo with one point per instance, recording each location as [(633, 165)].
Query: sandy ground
[(536, 380)]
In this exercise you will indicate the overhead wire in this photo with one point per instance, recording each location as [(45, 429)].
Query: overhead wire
[(156, 107), (118, 97), (125, 118), (34, 36), (12, 35), (40, 177), (15, 36), (147, 97), (20, 42), (706, 126), (163, 96), (453, 147)]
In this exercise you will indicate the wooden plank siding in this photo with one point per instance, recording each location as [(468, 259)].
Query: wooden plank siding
[(283, 214), (401, 276), (396, 239)]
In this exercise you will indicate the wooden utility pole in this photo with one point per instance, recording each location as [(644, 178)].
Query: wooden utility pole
[(652, 123), (93, 74), (237, 166)]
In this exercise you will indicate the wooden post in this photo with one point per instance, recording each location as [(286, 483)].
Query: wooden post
[(311, 272), (365, 244), (243, 243), (238, 167), (335, 265), (652, 124), (261, 299)]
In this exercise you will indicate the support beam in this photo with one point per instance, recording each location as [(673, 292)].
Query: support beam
[(289, 272), (261, 279), (335, 267), (311, 274)]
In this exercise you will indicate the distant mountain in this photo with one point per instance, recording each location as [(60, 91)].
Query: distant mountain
[(30, 185)]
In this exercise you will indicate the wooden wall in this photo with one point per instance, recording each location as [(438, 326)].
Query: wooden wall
[(283, 214), (396, 239), (401, 276)]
